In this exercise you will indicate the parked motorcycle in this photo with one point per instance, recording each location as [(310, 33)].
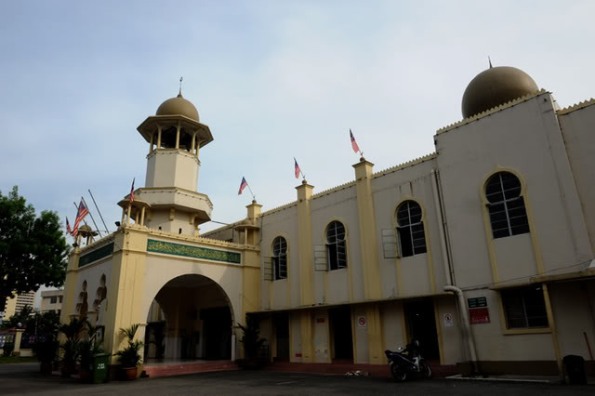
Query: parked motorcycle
[(407, 363)]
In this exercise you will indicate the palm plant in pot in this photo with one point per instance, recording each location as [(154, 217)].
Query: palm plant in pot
[(253, 344), (88, 348), (71, 346), (129, 357)]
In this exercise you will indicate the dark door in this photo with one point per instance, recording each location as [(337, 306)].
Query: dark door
[(340, 323), (421, 324), (281, 323)]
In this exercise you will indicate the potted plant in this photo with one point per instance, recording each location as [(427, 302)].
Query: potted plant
[(129, 357), (71, 346), (253, 344)]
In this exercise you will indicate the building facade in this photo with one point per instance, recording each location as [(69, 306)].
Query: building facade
[(16, 304), (482, 250), (51, 301)]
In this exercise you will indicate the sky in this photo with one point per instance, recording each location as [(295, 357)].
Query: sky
[(273, 79)]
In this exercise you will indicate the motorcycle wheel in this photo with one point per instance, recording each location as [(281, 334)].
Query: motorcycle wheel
[(398, 373), (426, 371)]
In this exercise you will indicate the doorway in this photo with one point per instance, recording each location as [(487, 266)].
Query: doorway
[(281, 326), (421, 325), (340, 330)]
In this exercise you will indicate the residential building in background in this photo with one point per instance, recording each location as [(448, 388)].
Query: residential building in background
[(16, 304), (51, 301)]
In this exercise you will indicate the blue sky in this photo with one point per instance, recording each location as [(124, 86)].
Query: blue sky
[(273, 80)]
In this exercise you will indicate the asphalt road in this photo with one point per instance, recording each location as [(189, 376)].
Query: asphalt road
[(23, 379)]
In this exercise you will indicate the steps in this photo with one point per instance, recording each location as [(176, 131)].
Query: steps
[(168, 369)]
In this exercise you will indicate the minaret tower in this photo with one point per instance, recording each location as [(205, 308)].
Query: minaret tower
[(170, 200)]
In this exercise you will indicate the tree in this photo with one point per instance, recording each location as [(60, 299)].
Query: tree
[(33, 250)]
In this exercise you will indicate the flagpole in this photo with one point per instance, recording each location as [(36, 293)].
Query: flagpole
[(253, 196), (354, 144), (92, 218), (98, 211), (299, 168)]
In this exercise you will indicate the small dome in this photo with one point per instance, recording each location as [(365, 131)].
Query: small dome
[(496, 86), (178, 106)]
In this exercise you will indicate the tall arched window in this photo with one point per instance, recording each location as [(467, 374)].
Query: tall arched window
[(335, 246), (280, 258), (410, 227), (506, 205)]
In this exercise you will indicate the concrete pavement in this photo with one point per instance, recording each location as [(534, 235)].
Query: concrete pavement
[(24, 379)]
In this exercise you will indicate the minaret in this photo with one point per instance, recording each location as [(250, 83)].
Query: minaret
[(170, 200)]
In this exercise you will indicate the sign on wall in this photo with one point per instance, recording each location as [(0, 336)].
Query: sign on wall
[(478, 310)]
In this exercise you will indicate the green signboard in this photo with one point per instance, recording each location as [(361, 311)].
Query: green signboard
[(198, 252)]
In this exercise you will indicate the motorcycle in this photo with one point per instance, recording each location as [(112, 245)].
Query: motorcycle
[(407, 363)]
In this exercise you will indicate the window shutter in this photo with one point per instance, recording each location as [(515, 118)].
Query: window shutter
[(267, 271), (320, 258), (389, 244)]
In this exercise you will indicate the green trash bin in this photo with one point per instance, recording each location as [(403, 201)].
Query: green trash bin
[(100, 368)]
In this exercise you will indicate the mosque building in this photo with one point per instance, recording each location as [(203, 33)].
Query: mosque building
[(482, 250)]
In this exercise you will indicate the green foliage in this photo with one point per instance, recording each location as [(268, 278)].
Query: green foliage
[(45, 326), (71, 347), (251, 338), (19, 319), (130, 356), (33, 250), (7, 348)]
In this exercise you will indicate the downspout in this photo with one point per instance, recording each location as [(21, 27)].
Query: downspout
[(449, 287), (444, 244), (466, 325)]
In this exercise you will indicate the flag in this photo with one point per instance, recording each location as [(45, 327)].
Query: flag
[(354, 145), (243, 185), (68, 229), (297, 169), (80, 215), (132, 191)]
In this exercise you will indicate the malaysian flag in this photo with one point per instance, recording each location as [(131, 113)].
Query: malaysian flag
[(82, 211), (354, 145), (68, 229), (132, 191), (296, 168), (243, 185)]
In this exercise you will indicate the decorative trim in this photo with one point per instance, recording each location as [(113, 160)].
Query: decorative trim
[(96, 254), (199, 252)]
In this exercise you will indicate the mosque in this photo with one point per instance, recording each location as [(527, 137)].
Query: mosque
[(483, 250)]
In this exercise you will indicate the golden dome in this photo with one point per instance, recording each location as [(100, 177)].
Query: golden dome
[(496, 86), (178, 106)]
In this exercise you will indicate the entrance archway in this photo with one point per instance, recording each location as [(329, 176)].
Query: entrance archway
[(190, 318)]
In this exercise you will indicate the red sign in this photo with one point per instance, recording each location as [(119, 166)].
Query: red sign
[(479, 315)]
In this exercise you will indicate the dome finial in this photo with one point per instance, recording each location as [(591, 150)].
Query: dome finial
[(180, 91), (490, 61)]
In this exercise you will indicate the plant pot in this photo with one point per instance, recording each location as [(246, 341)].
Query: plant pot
[(128, 373)]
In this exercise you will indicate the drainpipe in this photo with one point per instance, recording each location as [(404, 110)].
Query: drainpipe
[(466, 325), (444, 243)]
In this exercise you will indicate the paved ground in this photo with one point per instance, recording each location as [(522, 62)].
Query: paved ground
[(23, 379)]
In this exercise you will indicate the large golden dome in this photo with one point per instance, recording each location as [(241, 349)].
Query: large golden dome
[(178, 106), (496, 86)]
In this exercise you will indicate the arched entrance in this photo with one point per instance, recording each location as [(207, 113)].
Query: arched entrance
[(190, 318)]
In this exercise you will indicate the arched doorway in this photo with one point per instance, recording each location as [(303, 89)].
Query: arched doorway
[(190, 318)]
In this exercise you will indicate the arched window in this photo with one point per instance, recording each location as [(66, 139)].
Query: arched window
[(280, 258), (410, 227), (506, 205), (335, 246)]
